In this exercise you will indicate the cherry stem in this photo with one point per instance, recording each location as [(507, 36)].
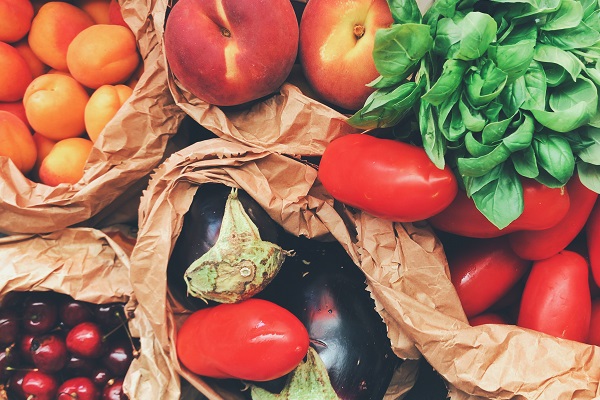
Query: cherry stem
[(112, 331), (135, 351), (9, 368)]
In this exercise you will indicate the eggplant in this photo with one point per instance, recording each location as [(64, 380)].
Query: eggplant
[(323, 287), (199, 233)]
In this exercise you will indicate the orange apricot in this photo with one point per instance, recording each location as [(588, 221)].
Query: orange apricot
[(66, 161), (102, 107), (16, 16), (17, 142), (103, 54), (36, 66), (18, 109), (55, 106), (97, 9), (43, 146), (114, 14), (14, 73), (53, 29)]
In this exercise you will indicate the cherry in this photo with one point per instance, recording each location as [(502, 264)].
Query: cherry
[(39, 385), (77, 366), (9, 327), (110, 315), (100, 376), (49, 353), (85, 340), (40, 313), (25, 347), (72, 312), (15, 385), (78, 388), (118, 357), (114, 390)]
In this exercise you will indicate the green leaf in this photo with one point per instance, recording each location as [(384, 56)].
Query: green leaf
[(478, 166), (475, 148), (525, 163), (484, 85), (447, 35), (521, 138), (494, 131), (405, 11), (439, 8), (450, 120), (578, 37), (500, 198), (514, 96), (554, 155), (447, 83), (433, 140), (535, 83), (473, 119), (593, 20), (478, 32), (553, 55), (591, 153), (309, 380), (385, 82), (569, 15), (589, 174), (398, 49), (514, 59), (589, 7)]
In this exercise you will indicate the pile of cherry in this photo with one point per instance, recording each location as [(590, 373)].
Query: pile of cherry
[(55, 347)]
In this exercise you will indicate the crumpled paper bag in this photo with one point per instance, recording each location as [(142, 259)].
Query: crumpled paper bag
[(399, 257), (131, 145), (89, 266)]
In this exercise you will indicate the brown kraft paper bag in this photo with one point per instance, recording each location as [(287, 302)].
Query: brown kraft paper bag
[(129, 147), (402, 258), (89, 266)]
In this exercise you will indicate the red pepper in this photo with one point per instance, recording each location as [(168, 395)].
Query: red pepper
[(487, 318), (556, 299), (594, 336), (544, 243), (544, 207), (592, 230)]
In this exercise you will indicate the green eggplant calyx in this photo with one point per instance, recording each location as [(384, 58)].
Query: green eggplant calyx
[(309, 380), (239, 265)]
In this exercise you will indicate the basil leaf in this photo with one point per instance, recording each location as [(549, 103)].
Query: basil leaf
[(589, 7), (448, 33), (593, 20), (433, 141), (447, 83), (535, 84), (554, 155), (514, 59), (525, 163), (500, 198), (522, 137), (484, 85), (399, 48), (443, 8), (450, 120), (405, 11), (565, 60), (476, 167), (569, 15), (591, 153), (513, 96), (478, 32), (589, 174), (383, 82), (578, 37), (473, 119), (475, 148), (494, 131)]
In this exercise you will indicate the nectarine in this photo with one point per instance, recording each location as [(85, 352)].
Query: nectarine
[(336, 48), (102, 107), (66, 161), (231, 52), (17, 142)]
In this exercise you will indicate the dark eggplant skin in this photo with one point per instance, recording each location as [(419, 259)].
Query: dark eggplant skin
[(323, 287), (200, 230)]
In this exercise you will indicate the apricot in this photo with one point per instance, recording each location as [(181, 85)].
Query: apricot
[(43, 146), (15, 75), (17, 142), (36, 66), (16, 16), (17, 108), (97, 9), (115, 16), (55, 106), (103, 55), (65, 162), (102, 107), (52, 30)]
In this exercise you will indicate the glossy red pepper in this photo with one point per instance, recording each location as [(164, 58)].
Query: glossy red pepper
[(543, 208), (544, 243), (483, 271), (592, 230), (487, 318), (594, 335), (386, 178), (254, 340), (556, 299)]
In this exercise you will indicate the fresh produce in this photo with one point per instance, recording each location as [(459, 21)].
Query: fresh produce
[(386, 178), (544, 243), (483, 271), (230, 53), (323, 287), (500, 90), (253, 340), (200, 231), (336, 46), (543, 208), (102, 106), (17, 16), (56, 347), (65, 162), (556, 299), (592, 230), (487, 318), (594, 335), (17, 142), (15, 74)]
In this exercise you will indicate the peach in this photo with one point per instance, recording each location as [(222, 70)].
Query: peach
[(17, 108), (15, 75), (17, 142), (36, 66), (97, 9), (53, 28), (103, 54), (115, 16), (16, 16), (231, 52), (66, 161), (336, 48), (55, 106), (43, 146), (102, 107)]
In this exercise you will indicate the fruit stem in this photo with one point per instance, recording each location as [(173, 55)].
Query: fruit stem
[(225, 32), (135, 351), (359, 31)]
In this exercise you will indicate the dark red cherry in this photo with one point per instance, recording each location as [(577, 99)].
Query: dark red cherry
[(49, 353), (114, 390), (78, 388), (25, 347), (100, 376), (118, 357), (72, 312), (110, 315), (15, 386), (40, 313), (85, 340), (39, 385), (9, 327)]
